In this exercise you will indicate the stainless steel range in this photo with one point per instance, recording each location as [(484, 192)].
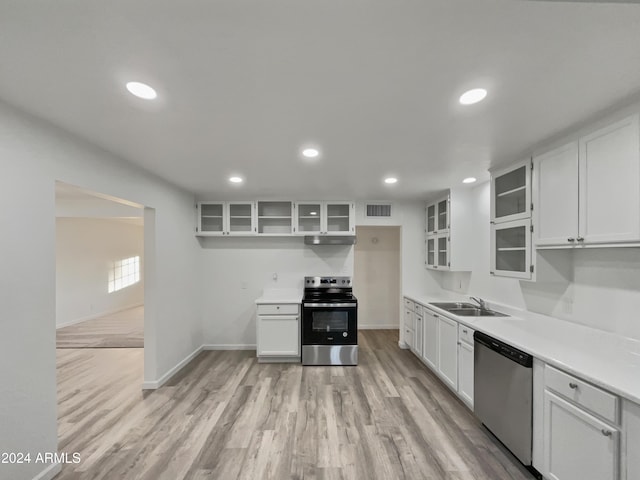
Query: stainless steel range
[(329, 322)]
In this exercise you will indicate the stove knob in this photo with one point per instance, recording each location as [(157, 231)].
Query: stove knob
[(342, 281), (348, 281)]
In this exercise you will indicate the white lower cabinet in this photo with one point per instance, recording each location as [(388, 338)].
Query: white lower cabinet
[(417, 335), (408, 337), (465, 372), (278, 332), (445, 346), (631, 441), (581, 429), (577, 445), (448, 352), (430, 338)]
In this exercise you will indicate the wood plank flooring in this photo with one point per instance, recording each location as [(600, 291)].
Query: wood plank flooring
[(225, 416), (123, 329)]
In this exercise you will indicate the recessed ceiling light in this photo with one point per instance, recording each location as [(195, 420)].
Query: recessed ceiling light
[(141, 90), (235, 179), (473, 96), (469, 180), (390, 180), (310, 152)]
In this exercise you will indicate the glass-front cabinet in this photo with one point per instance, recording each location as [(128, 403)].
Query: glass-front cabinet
[(226, 218), (437, 251), (511, 227), (511, 249), (211, 219), (324, 218), (241, 218), (511, 193), (308, 218), (438, 216)]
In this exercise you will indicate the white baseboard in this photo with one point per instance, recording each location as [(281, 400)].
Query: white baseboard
[(403, 345), (378, 326), (49, 472), (93, 316), (229, 346), (155, 384)]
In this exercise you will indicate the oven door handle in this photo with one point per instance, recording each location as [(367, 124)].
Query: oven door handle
[(325, 305)]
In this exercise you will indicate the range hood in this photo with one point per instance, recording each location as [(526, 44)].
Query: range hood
[(330, 240)]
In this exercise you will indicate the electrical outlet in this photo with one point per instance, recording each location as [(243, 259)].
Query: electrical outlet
[(243, 285)]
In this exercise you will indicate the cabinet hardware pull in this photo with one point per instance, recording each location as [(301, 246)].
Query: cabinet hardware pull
[(464, 331), (606, 433), (580, 239), (571, 239), (573, 386)]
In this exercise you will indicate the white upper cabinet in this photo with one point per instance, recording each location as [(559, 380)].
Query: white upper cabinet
[(511, 192), (226, 218), (511, 249), (449, 232), (340, 218), (511, 253), (438, 216), (308, 218), (241, 218), (588, 192), (555, 196), (610, 184), (324, 218), (275, 217)]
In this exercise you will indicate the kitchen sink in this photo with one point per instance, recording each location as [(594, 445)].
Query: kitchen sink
[(449, 305), (467, 309), (476, 312)]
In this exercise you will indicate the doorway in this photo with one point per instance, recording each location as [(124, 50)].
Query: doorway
[(99, 271), (376, 276)]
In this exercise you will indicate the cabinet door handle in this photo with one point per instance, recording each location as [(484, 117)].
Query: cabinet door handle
[(278, 308), (573, 386), (580, 239), (464, 331), (571, 239), (606, 433)]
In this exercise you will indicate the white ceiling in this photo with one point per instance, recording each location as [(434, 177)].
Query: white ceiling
[(243, 84)]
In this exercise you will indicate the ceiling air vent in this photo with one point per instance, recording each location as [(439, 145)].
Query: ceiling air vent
[(378, 209)]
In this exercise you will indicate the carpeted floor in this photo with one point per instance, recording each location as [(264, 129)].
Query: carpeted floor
[(123, 329)]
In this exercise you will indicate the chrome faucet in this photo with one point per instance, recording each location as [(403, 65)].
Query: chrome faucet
[(480, 302)]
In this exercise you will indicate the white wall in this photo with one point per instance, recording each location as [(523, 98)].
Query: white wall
[(236, 270), (33, 155), (85, 250), (598, 287), (376, 281)]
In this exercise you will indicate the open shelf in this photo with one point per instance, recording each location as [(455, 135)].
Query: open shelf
[(511, 192)]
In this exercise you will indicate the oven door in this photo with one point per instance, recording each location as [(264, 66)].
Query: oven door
[(329, 323)]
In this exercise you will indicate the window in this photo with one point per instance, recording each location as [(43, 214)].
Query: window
[(124, 273)]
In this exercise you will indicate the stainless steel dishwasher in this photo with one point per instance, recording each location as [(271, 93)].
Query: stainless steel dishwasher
[(503, 393)]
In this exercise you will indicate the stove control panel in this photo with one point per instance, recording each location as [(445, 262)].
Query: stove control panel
[(327, 282)]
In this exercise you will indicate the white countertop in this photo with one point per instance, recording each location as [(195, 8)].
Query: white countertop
[(280, 295), (604, 359)]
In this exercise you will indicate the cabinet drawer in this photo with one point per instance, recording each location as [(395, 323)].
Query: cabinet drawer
[(408, 304), (418, 309), (584, 394), (278, 309), (465, 334), (408, 318)]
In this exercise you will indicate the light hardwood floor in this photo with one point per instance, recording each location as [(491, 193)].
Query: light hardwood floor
[(123, 329), (225, 416)]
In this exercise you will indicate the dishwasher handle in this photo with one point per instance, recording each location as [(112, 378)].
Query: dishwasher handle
[(503, 349)]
